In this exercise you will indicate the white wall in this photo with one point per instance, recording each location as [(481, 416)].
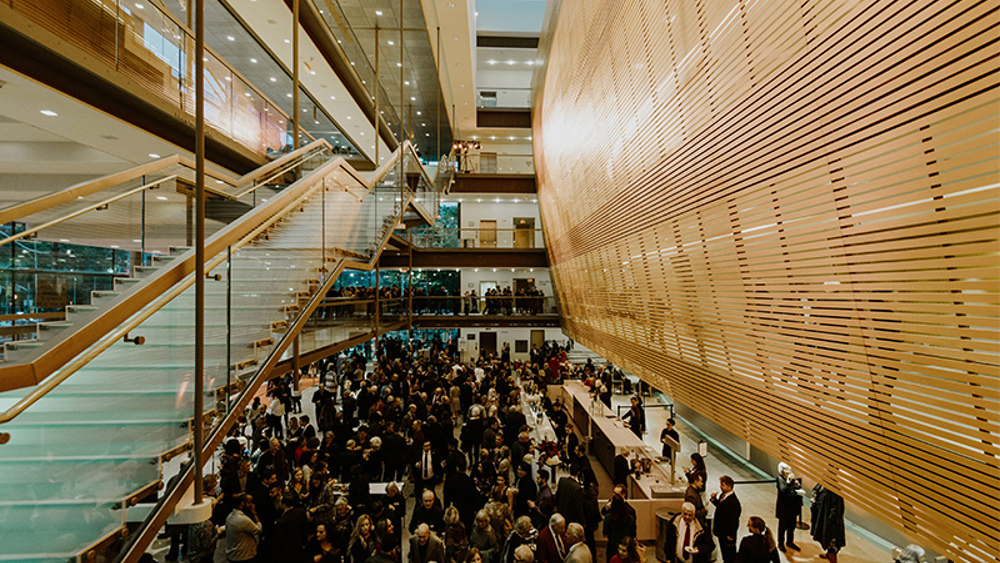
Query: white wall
[(471, 211), (470, 348)]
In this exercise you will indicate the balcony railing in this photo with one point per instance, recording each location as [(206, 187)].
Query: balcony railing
[(147, 45), (476, 238), (341, 310), (475, 162)]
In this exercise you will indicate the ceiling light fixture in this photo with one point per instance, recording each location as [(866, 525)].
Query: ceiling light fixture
[(378, 12), (231, 38), (253, 60), (153, 155), (391, 43), (273, 79), (49, 113), (161, 197)]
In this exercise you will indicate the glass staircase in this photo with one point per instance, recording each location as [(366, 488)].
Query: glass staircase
[(86, 441)]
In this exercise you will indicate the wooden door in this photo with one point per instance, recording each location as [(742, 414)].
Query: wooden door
[(487, 233)]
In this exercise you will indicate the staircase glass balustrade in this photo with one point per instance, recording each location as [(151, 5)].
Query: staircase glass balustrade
[(74, 251), (108, 417)]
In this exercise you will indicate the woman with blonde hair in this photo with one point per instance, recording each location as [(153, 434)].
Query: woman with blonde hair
[(362, 544), (759, 546)]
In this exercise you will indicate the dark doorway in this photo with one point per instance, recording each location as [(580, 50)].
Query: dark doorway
[(487, 344)]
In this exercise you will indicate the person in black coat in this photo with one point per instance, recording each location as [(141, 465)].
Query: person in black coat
[(828, 521), (460, 490), (569, 497), (622, 469), (290, 530), (788, 506), (726, 523), (759, 546), (527, 491)]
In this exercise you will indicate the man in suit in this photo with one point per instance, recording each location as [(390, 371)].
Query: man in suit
[(693, 495), (550, 547), (569, 497), (687, 540), (425, 547), (726, 523), (426, 469), (578, 550), (428, 513)]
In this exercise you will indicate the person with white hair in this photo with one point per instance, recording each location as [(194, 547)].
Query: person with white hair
[(578, 550), (687, 540), (788, 507), (550, 547)]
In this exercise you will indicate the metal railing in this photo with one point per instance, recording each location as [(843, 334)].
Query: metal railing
[(512, 98), (147, 45), (123, 313), (477, 238), (480, 162)]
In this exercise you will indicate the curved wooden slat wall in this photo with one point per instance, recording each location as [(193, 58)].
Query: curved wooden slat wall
[(785, 214)]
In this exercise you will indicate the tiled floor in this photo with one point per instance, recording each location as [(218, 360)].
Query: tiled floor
[(756, 499)]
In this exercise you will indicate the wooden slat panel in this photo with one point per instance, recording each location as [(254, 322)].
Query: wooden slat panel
[(798, 201)]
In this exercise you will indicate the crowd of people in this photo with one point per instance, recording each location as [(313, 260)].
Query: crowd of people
[(331, 485)]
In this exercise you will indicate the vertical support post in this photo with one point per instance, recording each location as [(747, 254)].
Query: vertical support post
[(409, 284), (229, 323), (142, 227), (437, 106), (199, 272), (296, 362), (295, 73)]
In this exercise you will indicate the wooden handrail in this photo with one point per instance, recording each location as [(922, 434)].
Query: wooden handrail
[(123, 312)]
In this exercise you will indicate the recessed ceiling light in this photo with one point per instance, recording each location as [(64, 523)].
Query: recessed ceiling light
[(228, 79), (407, 82), (378, 12), (49, 113), (288, 40), (419, 113), (161, 197), (333, 97), (491, 62), (273, 79), (139, 6), (492, 138), (391, 43), (153, 155), (399, 64), (289, 95), (423, 125), (412, 99), (231, 38), (510, 62), (461, 85), (348, 117), (253, 60)]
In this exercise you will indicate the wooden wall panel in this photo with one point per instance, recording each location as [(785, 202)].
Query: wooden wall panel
[(786, 215)]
